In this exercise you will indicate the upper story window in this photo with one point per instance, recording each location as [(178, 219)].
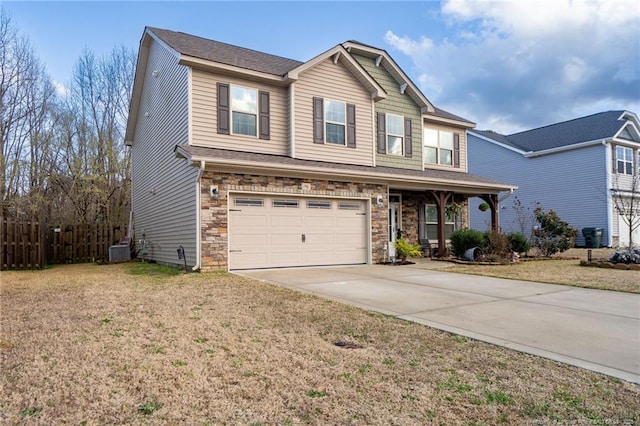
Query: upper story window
[(394, 135), (441, 147), (335, 119), (243, 111), (334, 122), (624, 160)]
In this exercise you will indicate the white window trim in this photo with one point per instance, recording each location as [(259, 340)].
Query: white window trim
[(232, 110), (624, 161), (388, 133), (438, 148), (344, 125)]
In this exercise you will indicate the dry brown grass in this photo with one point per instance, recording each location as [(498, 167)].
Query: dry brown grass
[(564, 269), (87, 344)]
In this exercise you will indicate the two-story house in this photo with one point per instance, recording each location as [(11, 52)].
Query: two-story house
[(586, 169), (250, 160)]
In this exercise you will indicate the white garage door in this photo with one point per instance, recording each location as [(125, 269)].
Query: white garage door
[(274, 231), (623, 231)]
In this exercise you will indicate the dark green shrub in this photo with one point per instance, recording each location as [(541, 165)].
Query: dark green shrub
[(552, 234), (518, 242), (464, 239)]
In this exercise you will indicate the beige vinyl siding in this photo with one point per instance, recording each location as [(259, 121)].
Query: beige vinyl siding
[(332, 81), (205, 117), (399, 104), (163, 187), (463, 147)]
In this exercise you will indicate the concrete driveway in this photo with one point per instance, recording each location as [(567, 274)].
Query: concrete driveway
[(593, 329)]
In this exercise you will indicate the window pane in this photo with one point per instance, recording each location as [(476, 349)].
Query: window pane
[(244, 124), (395, 125), (244, 100), (432, 231), (430, 155), (431, 214), (430, 137), (335, 133), (394, 145), (334, 111), (446, 140), (445, 156), (628, 154)]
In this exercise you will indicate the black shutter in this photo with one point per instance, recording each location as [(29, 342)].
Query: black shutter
[(318, 120), (408, 140), (223, 108), (456, 149), (351, 125), (382, 133), (263, 111)]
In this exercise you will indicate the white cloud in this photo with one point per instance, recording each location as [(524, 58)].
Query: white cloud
[(61, 89), (513, 65)]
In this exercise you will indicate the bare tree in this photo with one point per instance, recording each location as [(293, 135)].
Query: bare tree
[(626, 199), (26, 112), (94, 169)]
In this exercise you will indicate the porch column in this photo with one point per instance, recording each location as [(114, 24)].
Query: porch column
[(441, 198), (492, 200)]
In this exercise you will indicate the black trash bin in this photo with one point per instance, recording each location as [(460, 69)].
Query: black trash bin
[(592, 237)]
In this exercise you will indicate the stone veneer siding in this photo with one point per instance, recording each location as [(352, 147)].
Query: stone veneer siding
[(213, 211)]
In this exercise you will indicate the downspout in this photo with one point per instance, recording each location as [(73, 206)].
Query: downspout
[(607, 192), (197, 266)]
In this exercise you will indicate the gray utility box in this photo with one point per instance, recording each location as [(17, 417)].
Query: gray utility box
[(119, 252)]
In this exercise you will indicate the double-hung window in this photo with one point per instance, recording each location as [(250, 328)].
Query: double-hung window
[(395, 134), (431, 223), (624, 160), (439, 147), (335, 119), (334, 122), (244, 111)]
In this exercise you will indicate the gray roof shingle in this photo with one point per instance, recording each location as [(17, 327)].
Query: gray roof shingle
[(603, 125), (459, 178), (225, 53)]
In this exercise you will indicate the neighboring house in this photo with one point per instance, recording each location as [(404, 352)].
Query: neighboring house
[(250, 160), (577, 168)]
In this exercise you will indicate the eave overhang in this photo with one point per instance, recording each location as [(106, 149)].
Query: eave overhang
[(397, 178)]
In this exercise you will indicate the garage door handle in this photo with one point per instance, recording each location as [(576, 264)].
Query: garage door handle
[(304, 238)]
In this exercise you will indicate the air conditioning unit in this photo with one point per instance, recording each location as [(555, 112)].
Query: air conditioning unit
[(119, 252)]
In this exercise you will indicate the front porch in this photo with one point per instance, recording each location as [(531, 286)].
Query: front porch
[(429, 217)]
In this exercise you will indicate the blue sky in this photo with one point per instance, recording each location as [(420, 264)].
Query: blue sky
[(508, 66)]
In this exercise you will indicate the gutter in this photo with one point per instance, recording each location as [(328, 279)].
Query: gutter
[(198, 264), (269, 168), (608, 195)]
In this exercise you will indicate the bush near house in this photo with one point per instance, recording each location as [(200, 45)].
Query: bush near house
[(552, 235), (464, 239)]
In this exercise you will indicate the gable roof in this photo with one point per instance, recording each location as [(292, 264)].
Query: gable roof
[(592, 128), (224, 53)]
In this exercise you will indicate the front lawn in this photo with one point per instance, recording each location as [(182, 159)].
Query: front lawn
[(563, 269), (88, 344)]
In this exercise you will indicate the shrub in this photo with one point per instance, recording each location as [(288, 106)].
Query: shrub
[(497, 243), (518, 242), (552, 234), (405, 249), (464, 239)]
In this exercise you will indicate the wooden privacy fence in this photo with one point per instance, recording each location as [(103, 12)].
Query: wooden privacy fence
[(22, 244), (28, 244)]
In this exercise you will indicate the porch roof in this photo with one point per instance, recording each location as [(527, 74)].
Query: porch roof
[(280, 165)]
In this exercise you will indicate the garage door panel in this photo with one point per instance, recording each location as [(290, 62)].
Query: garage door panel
[(270, 233)]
